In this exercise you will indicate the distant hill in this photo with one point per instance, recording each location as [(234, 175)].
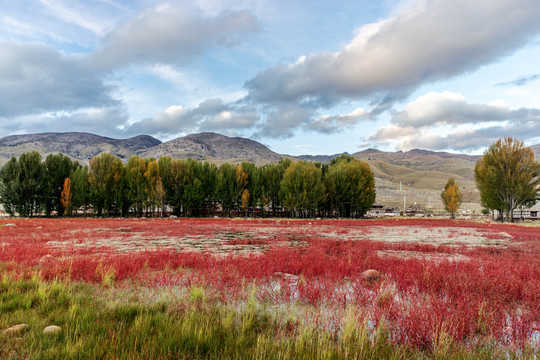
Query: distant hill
[(215, 148), (422, 173), (320, 158), (78, 146)]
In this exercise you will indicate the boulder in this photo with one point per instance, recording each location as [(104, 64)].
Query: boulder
[(15, 329), (52, 329), (45, 259), (371, 275), (505, 235)]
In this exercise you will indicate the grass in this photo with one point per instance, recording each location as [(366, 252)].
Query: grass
[(106, 322)]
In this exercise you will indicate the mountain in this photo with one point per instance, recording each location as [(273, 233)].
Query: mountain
[(320, 158), (78, 146), (536, 150), (415, 176), (213, 148)]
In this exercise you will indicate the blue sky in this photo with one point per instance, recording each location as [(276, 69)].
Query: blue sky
[(303, 77)]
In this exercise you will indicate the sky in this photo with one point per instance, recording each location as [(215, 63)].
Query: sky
[(302, 77)]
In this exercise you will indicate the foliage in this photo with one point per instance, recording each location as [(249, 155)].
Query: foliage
[(302, 189), (351, 186), (104, 174), (66, 196), (451, 197), (507, 176), (191, 188), (303, 297)]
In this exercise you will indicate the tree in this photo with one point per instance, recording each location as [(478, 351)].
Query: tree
[(104, 174), (136, 183), (66, 195), (351, 186), (30, 184), (56, 168), (302, 189), (80, 189), (245, 200), (451, 197), (507, 176), (9, 177)]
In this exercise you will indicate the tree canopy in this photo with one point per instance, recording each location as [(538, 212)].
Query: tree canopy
[(507, 176)]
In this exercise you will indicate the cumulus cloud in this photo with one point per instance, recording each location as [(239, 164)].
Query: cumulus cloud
[(281, 121), (520, 81), (452, 108), (329, 124), (36, 78), (210, 115), (170, 35), (466, 126), (103, 121), (388, 59)]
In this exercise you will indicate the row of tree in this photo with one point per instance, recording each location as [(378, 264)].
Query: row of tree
[(30, 186)]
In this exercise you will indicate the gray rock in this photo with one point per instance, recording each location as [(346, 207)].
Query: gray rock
[(15, 329), (52, 329), (371, 275)]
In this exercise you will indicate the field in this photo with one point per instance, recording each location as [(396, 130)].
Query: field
[(283, 289)]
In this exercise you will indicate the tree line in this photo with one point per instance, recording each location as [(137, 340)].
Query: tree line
[(31, 186)]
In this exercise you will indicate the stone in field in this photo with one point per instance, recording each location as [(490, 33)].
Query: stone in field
[(15, 329), (371, 275), (505, 235), (52, 329), (46, 259)]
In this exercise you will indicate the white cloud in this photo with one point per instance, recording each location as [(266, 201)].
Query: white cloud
[(465, 126), (170, 35), (427, 42), (37, 78), (210, 115), (334, 123)]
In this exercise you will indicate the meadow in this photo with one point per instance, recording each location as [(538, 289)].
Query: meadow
[(268, 289)]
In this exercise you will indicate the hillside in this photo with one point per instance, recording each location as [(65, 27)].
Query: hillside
[(214, 148), (415, 176), (78, 146)]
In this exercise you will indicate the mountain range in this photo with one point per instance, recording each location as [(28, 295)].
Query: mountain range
[(416, 174)]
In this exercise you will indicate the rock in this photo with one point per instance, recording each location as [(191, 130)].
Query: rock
[(45, 259), (15, 329), (10, 224), (173, 217), (371, 275), (287, 277), (505, 235), (52, 329)]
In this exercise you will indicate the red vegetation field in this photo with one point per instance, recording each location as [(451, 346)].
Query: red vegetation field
[(441, 280)]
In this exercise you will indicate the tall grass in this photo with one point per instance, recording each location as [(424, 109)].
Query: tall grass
[(98, 322)]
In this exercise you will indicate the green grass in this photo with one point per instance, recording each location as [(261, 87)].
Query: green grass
[(101, 322)]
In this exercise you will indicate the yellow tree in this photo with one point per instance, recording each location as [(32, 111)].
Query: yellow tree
[(66, 195), (245, 200), (451, 197)]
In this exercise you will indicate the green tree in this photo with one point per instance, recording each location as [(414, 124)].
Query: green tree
[(80, 189), (351, 186), (57, 168), (507, 176), (451, 197), (9, 185), (272, 174), (30, 184), (302, 189), (226, 188), (136, 183), (104, 174)]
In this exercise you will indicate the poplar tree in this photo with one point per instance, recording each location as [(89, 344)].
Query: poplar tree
[(507, 176), (451, 197)]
